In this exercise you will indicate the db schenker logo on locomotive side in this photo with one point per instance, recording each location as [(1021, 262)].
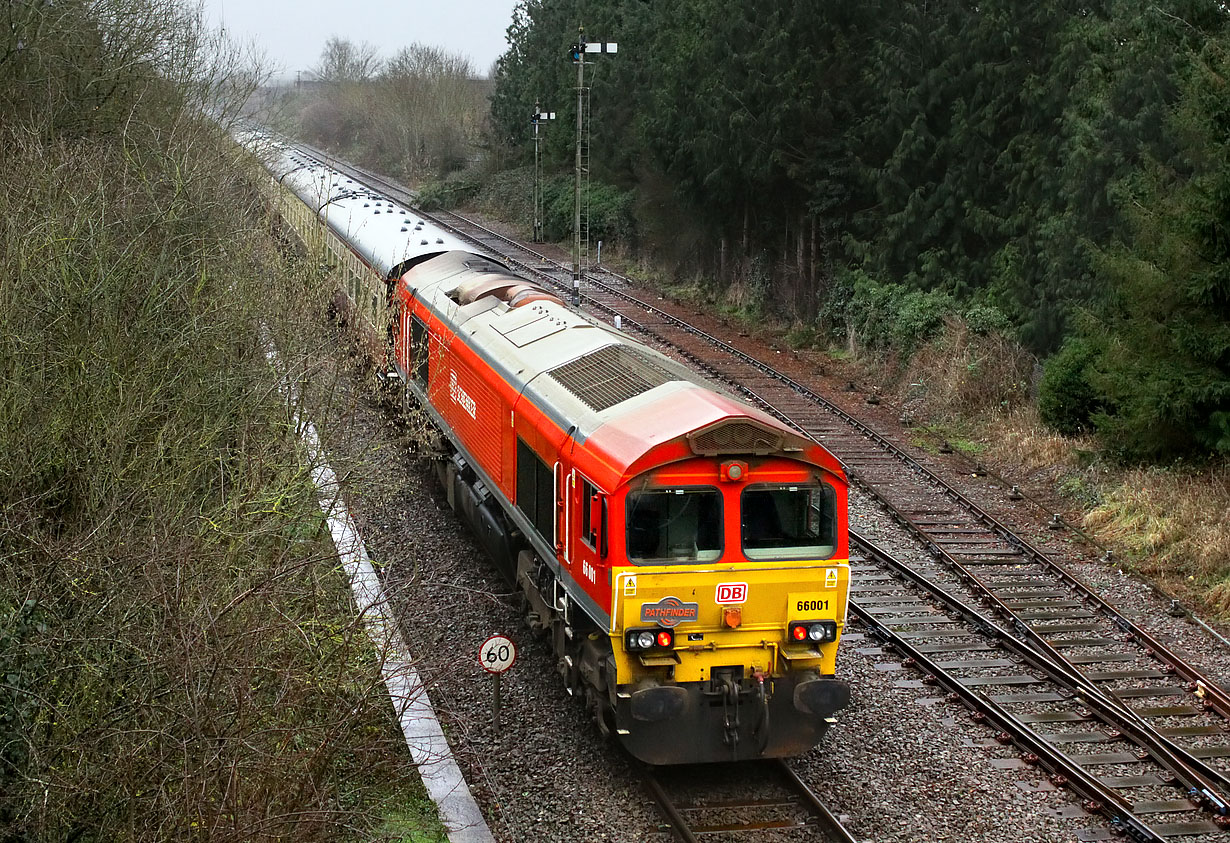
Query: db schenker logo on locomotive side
[(669, 611)]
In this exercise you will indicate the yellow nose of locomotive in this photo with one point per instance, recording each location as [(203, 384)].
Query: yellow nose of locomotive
[(747, 655)]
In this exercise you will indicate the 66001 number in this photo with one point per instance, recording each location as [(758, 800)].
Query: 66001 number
[(813, 606)]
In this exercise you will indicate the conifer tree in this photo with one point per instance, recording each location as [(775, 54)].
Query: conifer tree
[(1162, 361)]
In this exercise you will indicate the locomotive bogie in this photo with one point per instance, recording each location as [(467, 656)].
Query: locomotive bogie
[(731, 720)]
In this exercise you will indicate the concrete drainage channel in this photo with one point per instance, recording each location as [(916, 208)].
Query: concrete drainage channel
[(442, 778)]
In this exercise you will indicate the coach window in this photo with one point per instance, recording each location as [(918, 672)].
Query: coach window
[(418, 350), (536, 491), (675, 525), (789, 522)]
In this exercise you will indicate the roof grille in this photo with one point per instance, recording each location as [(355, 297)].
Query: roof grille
[(735, 437), (610, 376)]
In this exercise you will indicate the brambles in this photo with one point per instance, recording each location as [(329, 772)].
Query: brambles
[(181, 658)]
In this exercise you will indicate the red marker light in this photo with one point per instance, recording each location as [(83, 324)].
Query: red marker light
[(665, 639), (799, 632)]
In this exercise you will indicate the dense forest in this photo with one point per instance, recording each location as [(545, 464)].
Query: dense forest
[(1056, 169)]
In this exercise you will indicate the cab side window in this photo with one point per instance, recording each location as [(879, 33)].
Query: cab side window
[(593, 526), (587, 504)]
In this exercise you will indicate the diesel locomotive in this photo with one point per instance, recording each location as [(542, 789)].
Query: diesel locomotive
[(686, 553)]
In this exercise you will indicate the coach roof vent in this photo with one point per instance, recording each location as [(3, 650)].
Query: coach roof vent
[(736, 437), (610, 376)]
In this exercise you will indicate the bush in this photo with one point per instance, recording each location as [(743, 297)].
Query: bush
[(331, 123), (986, 319), (1066, 399), (963, 373), (180, 659), (890, 317), (451, 192), (166, 616), (509, 195), (610, 210)]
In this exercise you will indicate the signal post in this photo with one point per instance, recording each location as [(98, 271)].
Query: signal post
[(580, 217)]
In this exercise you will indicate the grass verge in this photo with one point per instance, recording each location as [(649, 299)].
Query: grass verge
[(180, 655), (1169, 524)]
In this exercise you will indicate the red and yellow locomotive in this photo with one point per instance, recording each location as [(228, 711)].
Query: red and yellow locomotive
[(686, 552)]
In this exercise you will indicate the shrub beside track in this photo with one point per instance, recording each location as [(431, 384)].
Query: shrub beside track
[(178, 655)]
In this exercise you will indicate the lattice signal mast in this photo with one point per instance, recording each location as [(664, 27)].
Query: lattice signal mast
[(535, 119), (580, 218)]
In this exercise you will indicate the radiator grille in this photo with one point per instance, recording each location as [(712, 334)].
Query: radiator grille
[(610, 376), (735, 438)]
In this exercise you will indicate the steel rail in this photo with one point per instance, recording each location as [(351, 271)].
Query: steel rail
[(1211, 692), (1100, 798), (798, 794), (1220, 696), (833, 826), (1032, 636), (1203, 783), (679, 825)]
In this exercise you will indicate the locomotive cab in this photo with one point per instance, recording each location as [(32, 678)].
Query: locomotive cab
[(729, 608)]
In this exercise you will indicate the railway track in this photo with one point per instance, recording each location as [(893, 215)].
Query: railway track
[(1090, 664), (761, 801), (1060, 654), (1102, 749)]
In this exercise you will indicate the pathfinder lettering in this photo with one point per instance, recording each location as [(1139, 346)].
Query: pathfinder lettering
[(669, 611)]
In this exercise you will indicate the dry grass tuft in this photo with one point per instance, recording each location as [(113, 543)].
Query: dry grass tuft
[(963, 374), (1174, 526), (1171, 525), (1017, 438)]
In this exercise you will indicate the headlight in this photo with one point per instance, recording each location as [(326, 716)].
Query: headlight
[(649, 639), (813, 632)]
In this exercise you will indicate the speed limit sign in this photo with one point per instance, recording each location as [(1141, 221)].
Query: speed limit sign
[(497, 654)]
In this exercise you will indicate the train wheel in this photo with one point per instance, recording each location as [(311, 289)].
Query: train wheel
[(603, 717)]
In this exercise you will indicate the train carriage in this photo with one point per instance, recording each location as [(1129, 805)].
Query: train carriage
[(687, 553)]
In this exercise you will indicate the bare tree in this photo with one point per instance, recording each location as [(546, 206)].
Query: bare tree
[(422, 61), (344, 61)]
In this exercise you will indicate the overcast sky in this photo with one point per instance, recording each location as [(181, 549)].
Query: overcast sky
[(293, 32)]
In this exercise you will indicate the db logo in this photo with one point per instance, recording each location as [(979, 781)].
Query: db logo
[(732, 592)]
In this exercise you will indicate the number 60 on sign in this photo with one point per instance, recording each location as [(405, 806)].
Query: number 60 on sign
[(497, 654)]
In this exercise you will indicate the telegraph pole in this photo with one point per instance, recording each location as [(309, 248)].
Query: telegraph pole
[(538, 116), (580, 221)]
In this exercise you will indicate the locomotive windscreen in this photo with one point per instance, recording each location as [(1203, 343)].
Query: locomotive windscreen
[(789, 522), (675, 525)]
